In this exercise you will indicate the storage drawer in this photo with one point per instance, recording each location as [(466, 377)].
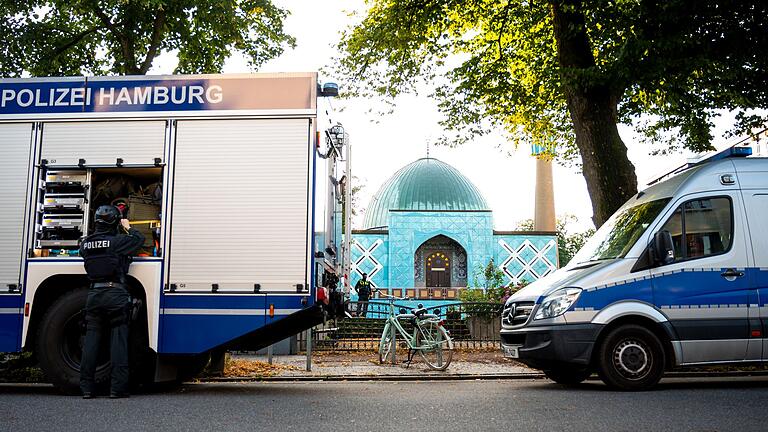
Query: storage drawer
[(57, 243), (53, 202), (62, 221), (69, 178)]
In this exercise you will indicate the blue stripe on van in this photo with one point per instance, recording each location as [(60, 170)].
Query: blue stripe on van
[(641, 288)]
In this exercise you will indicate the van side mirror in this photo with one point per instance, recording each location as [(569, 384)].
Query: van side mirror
[(663, 248)]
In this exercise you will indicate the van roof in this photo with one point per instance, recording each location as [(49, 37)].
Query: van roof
[(704, 177)]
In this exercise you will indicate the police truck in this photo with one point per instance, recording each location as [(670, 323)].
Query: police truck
[(218, 171)]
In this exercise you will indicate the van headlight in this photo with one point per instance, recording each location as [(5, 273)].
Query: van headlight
[(557, 303)]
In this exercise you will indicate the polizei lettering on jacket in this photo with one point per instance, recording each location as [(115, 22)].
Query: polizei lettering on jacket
[(96, 244), (112, 96)]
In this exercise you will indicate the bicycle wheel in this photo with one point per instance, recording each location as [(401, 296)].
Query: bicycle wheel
[(435, 345), (386, 353)]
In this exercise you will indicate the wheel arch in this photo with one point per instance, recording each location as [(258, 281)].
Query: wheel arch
[(662, 330), (54, 287)]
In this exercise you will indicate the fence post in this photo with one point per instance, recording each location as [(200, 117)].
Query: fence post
[(309, 350), (269, 354), (394, 344)]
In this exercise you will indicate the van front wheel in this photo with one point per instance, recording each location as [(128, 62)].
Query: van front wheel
[(631, 358)]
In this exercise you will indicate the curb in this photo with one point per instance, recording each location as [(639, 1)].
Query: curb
[(455, 377), (299, 378)]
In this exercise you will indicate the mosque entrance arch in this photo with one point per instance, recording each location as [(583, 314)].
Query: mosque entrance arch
[(440, 262)]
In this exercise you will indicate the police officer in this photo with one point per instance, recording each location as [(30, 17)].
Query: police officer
[(107, 256), (363, 288)]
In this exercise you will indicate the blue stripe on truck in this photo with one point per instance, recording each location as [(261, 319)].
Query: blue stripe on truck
[(196, 323)]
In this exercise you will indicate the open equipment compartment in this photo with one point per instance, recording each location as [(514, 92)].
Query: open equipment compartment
[(68, 197), (138, 193), (61, 212)]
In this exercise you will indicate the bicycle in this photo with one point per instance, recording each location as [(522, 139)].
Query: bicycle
[(429, 338)]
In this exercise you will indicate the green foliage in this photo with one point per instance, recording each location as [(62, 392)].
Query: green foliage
[(91, 37), (488, 285), (495, 63), (357, 188), (488, 276), (568, 243), (487, 303)]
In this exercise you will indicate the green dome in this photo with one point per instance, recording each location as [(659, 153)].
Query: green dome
[(426, 184)]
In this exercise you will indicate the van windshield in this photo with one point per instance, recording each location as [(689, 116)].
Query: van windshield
[(619, 233)]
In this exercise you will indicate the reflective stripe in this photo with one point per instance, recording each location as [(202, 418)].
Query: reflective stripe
[(227, 311), (705, 311), (580, 316), (10, 310)]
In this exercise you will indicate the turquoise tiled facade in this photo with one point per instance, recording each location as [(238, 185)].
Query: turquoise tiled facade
[(417, 206), (525, 257), (389, 259)]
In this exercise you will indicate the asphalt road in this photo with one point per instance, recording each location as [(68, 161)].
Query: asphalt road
[(538, 405)]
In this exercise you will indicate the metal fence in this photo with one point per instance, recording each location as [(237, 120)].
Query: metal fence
[(471, 325)]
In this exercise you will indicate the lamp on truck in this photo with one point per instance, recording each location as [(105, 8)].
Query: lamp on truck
[(328, 90), (338, 136)]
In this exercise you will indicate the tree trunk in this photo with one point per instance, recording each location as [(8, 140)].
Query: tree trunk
[(592, 103)]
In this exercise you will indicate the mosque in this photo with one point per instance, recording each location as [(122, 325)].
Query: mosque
[(428, 231)]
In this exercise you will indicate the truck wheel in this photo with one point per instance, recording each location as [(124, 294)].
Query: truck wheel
[(60, 340), (631, 358), (568, 375)]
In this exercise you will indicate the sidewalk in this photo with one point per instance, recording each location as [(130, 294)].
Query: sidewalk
[(365, 366)]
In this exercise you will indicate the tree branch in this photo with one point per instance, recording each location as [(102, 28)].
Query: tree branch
[(129, 59), (75, 40), (505, 17), (157, 33), (105, 20)]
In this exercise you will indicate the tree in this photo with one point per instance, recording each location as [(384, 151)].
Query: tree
[(99, 37), (568, 243), (562, 73), (357, 188), (488, 277)]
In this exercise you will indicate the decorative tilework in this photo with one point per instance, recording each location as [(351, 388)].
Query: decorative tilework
[(526, 257), (370, 255), (389, 259), (408, 230)]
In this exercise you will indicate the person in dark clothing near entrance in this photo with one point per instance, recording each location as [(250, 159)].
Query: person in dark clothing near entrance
[(107, 255), (363, 288)]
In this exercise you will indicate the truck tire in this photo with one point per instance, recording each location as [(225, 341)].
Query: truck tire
[(568, 375), (59, 344), (631, 358)]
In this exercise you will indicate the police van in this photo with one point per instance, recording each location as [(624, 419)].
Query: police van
[(217, 171), (677, 277)]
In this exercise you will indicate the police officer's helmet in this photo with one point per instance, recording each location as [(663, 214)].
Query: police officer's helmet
[(107, 215)]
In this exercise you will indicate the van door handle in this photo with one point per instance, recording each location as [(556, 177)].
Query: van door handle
[(731, 273)]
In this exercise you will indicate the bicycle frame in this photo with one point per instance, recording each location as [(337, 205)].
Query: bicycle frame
[(410, 338)]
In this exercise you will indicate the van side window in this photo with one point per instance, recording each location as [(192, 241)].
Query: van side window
[(701, 228)]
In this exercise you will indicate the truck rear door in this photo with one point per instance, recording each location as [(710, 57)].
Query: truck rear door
[(240, 228), (16, 142)]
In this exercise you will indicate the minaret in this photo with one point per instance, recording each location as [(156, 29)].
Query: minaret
[(544, 210)]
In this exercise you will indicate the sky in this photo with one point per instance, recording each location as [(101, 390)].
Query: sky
[(383, 144)]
